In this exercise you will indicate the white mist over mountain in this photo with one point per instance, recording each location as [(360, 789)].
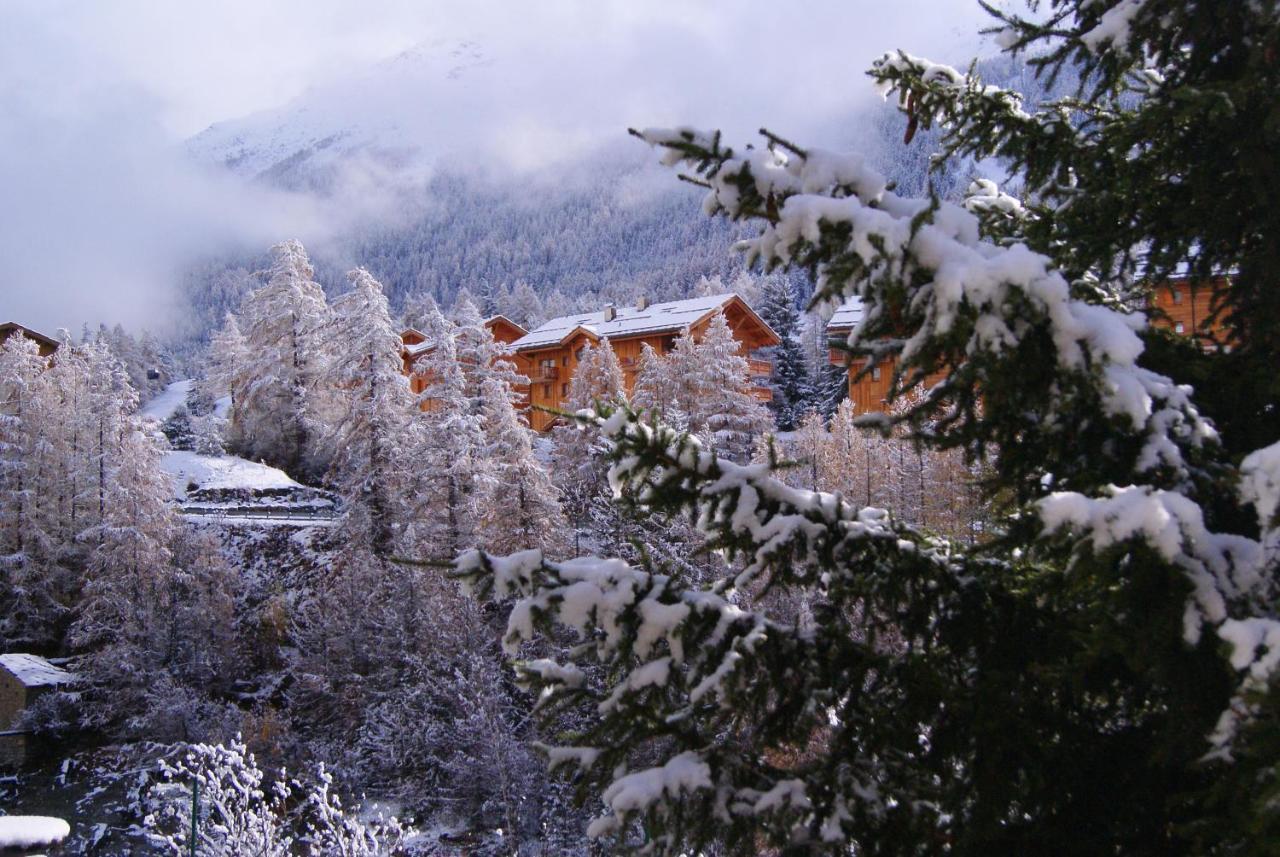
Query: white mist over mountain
[(346, 109)]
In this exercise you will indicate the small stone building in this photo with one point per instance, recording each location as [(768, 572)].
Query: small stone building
[(23, 678)]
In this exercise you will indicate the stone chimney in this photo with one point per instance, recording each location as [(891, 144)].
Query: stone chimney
[(610, 312), (643, 303)]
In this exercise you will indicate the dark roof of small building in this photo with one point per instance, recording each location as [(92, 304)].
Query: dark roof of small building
[(7, 326)]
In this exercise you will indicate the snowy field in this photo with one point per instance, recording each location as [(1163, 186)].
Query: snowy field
[(188, 469)]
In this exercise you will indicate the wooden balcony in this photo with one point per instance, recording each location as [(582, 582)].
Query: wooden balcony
[(759, 367), (545, 373)]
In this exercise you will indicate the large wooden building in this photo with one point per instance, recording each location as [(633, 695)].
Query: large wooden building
[(549, 355), (871, 391), (1186, 307), (1183, 306), (415, 345), (47, 344)]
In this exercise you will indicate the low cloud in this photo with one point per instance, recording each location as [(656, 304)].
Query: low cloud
[(103, 206)]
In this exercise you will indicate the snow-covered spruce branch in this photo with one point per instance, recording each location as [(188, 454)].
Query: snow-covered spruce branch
[(999, 320), (690, 673)]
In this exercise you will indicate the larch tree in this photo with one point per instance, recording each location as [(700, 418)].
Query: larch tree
[(29, 596), (227, 373), (721, 399), (369, 442), (520, 507), (448, 453), (1102, 677), (284, 323), (578, 461)]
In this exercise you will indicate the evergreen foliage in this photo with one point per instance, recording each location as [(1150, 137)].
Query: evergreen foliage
[(1099, 676), (793, 393)]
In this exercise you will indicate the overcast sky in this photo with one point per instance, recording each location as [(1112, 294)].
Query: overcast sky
[(101, 209)]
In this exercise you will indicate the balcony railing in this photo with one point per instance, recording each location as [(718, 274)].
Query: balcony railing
[(760, 367), (546, 373)]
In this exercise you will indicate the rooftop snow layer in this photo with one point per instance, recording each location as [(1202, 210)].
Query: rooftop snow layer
[(220, 471), (33, 670), (847, 317), (628, 321)]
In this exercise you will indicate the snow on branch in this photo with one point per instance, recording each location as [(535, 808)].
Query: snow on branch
[(939, 296)]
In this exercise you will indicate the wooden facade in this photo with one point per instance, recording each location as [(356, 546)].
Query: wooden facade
[(47, 344), (1183, 306), (414, 345), (550, 366), (1186, 307)]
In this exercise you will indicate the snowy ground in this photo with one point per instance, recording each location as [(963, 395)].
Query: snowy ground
[(31, 831), (162, 406), (191, 471)]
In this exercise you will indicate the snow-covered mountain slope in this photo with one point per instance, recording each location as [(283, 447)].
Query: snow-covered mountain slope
[(381, 115)]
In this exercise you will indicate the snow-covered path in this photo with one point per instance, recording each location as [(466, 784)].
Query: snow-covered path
[(162, 406)]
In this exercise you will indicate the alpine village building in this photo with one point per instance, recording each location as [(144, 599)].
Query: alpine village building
[(1181, 305), (548, 355), (46, 344)]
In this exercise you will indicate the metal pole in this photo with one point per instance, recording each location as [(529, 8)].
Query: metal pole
[(195, 813)]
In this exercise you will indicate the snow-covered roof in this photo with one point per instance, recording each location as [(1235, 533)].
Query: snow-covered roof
[(33, 670), (627, 321), (845, 318)]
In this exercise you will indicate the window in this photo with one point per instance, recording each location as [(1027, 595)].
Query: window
[(1179, 328), (875, 373), (546, 391), (564, 361), (1177, 296), (577, 355), (564, 389)]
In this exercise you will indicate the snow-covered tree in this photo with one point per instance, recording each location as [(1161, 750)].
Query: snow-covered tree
[(717, 391), (284, 325), (448, 452), (1101, 676), (369, 444), (243, 810), (29, 595), (524, 307), (227, 367), (793, 392), (520, 507)]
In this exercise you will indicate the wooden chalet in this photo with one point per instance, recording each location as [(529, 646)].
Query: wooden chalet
[(1186, 307), (549, 355), (1182, 305), (415, 345), (871, 391), (24, 678), (47, 344)]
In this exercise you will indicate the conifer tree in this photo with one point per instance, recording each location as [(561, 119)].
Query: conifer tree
[(368, 442), (227, 373), (284, 326), (720, 396), (579, 465), (448, 452), (520, 507), (1102, 677), (29, 596), (793, 393)]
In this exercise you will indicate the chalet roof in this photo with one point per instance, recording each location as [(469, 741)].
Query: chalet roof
[(33, 670), (628, 321), (847, 316), (31, 334), (426, 344)]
